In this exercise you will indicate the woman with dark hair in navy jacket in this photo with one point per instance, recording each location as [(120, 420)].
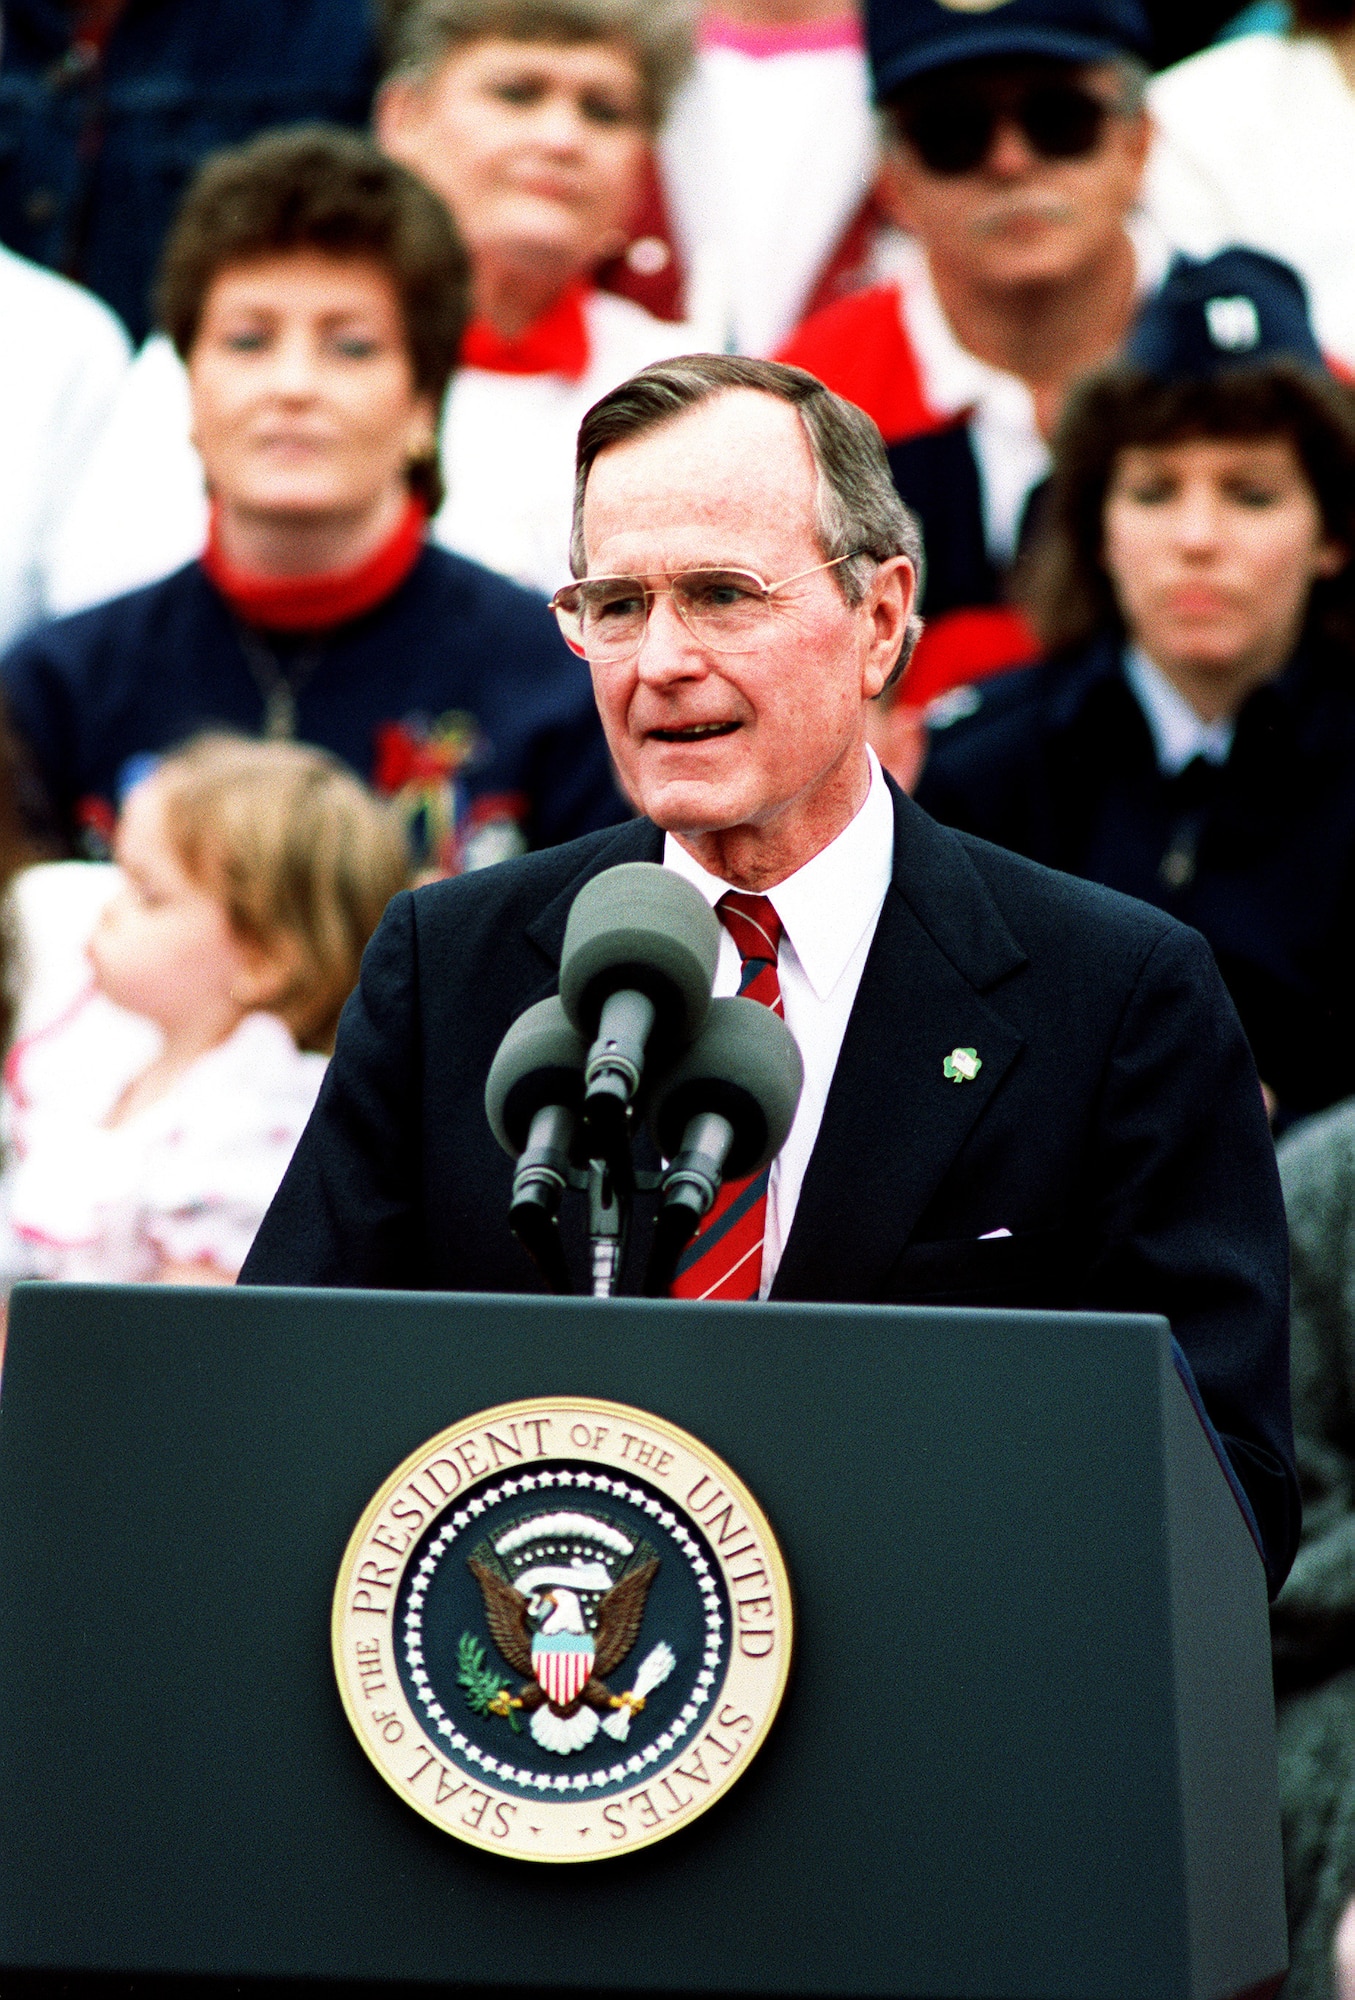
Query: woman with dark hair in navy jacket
[(1190, 737)]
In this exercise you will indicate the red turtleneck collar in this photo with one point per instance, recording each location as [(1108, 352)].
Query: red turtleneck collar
[(555, 344), (314, 603)]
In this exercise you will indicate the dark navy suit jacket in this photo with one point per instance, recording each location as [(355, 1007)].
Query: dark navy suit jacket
[(1115, 1127)]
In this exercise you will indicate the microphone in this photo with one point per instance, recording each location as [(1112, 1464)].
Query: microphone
[(639, 958), (533, 1097), (725, 1111)]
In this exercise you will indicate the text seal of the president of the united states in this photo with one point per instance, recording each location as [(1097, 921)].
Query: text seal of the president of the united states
[(562, 1629)]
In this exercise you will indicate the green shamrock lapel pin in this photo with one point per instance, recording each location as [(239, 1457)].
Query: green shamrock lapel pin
[(961, 1065)]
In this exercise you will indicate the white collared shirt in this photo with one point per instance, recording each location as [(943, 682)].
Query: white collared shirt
[(829, 909), (1179, 734), (1012, 455)]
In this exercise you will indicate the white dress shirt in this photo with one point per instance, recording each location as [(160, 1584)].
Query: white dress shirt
[(829, 909), (1179, 734)]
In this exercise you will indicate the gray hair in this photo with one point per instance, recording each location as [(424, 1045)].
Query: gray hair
[(857, 509), (419, 35)]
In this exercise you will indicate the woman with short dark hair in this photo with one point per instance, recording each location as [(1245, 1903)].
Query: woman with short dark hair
[(1190, 737), (317, 294), (327, 192), (1069, 587)]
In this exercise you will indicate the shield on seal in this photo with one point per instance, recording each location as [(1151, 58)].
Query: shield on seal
[(562, 1662)]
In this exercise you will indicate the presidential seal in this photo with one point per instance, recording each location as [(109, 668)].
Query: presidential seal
[(562, 1629)]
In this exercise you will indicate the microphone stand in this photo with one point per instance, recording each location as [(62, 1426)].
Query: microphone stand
[(612, 1181), (534, 1219), (608, 1222), (726, 1109), (636, 972)]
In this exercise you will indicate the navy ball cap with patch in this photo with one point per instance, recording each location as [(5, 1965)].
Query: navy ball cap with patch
[(909, 38), (1229, 311)]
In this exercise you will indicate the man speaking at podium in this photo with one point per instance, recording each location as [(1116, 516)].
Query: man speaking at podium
[(1020, 1089)]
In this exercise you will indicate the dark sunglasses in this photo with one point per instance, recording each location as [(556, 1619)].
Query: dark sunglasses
[(951, 130)]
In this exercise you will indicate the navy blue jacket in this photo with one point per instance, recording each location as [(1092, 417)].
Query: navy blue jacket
[(1057, 763), (1115, 1126), (95, 152), (454, 644), (937, 476)]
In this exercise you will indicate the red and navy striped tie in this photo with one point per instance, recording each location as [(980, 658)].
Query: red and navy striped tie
[(724, 1258)]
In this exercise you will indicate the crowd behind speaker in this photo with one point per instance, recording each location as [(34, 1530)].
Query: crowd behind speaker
[(294, 365)]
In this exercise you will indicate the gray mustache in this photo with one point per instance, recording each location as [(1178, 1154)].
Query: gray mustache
[(1042, 209)]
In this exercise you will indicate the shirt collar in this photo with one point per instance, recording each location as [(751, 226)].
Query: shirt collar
[(317, 603), (828, 905), (1179, 735), (555, 344)]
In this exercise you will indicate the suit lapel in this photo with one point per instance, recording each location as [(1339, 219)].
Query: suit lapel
[(894, 1122)]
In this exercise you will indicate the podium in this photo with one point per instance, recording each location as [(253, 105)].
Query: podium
[(1026, 1751)]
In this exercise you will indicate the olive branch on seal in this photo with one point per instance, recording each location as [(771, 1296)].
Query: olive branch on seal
[(485, 1690)]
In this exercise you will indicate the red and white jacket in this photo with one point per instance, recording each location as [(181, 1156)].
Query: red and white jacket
[(891, 350)]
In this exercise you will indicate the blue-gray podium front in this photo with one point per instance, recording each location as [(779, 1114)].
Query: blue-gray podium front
[(1026, 1752)]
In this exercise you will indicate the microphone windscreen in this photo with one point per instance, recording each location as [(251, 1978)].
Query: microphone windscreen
[(539, 1061), (746, 1065), (643, 926)]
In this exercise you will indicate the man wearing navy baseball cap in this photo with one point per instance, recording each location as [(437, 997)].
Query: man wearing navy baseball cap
[(912, 38), (1190, 738), (1018, 140)]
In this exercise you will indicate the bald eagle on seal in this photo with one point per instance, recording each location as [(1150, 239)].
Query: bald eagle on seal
[(545, 1636)]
